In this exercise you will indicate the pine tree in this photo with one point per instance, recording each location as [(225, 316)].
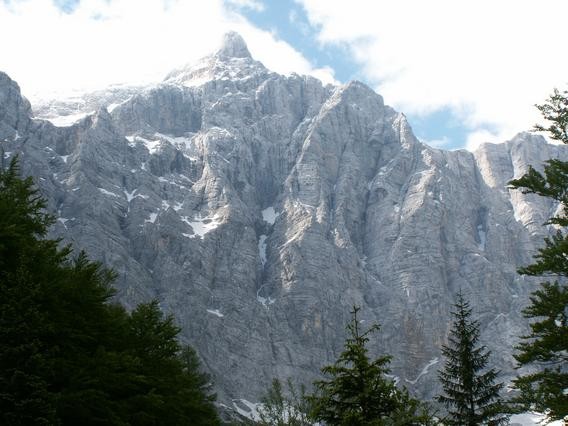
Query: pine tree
[(545, 349), (358, 392), (470, 395)]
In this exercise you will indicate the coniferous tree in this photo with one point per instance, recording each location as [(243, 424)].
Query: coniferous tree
[(67, 354), (545, 349), (196, 387), (25, 395), (470, 395), (358, 392), (173, 389), (284, 407)]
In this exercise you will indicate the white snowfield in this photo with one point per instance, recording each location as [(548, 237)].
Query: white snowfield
[(530, 419)]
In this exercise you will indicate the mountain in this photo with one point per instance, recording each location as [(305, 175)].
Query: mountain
[(258, 208)]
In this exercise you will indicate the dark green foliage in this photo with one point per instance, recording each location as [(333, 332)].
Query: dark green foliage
[(25, 359), (195, 395), (68, 355), (552, 183), (281, 407), (470, 395), (555, 110), (358, 392), (545, 349), (551, 330), (21, 212)]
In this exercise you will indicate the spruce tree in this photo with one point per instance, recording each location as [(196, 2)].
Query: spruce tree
[(284, 406), (545, 349), (25, 357), (470, 395), (358, 392), (68, 354)]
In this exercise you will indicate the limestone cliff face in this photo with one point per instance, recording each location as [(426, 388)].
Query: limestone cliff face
[(258, 208)]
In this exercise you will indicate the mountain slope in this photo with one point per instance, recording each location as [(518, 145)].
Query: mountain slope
[(258, 208)]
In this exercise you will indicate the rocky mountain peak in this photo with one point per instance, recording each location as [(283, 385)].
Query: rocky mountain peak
[(233, 46), (14, 108), (232, 62)]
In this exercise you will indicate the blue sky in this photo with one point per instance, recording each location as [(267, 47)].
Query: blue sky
[(288, 20), (462, 72)]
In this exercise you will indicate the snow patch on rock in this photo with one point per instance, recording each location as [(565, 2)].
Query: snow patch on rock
[(262, 249), (424, 371), (66, 120), (152, 218), (247, 409), (482, 235), (269, 215), (151, 145), (202, 225), (109, 193), (531, 419), (215, 312), (265, 301), (132, 195)]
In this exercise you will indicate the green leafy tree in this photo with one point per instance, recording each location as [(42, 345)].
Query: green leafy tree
[(545, 349), (281, 408), (358, 392), (70, 356), (470, 392)]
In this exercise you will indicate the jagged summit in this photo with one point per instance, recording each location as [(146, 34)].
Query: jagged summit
[(232, 61), (233, 46)]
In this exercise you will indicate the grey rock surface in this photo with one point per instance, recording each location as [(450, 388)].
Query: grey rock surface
[(258, 208)]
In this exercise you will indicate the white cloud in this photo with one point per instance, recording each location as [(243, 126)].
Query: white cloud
[(279, 56), (125, 41), (488, 61), (443, 142), (481, 136)]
